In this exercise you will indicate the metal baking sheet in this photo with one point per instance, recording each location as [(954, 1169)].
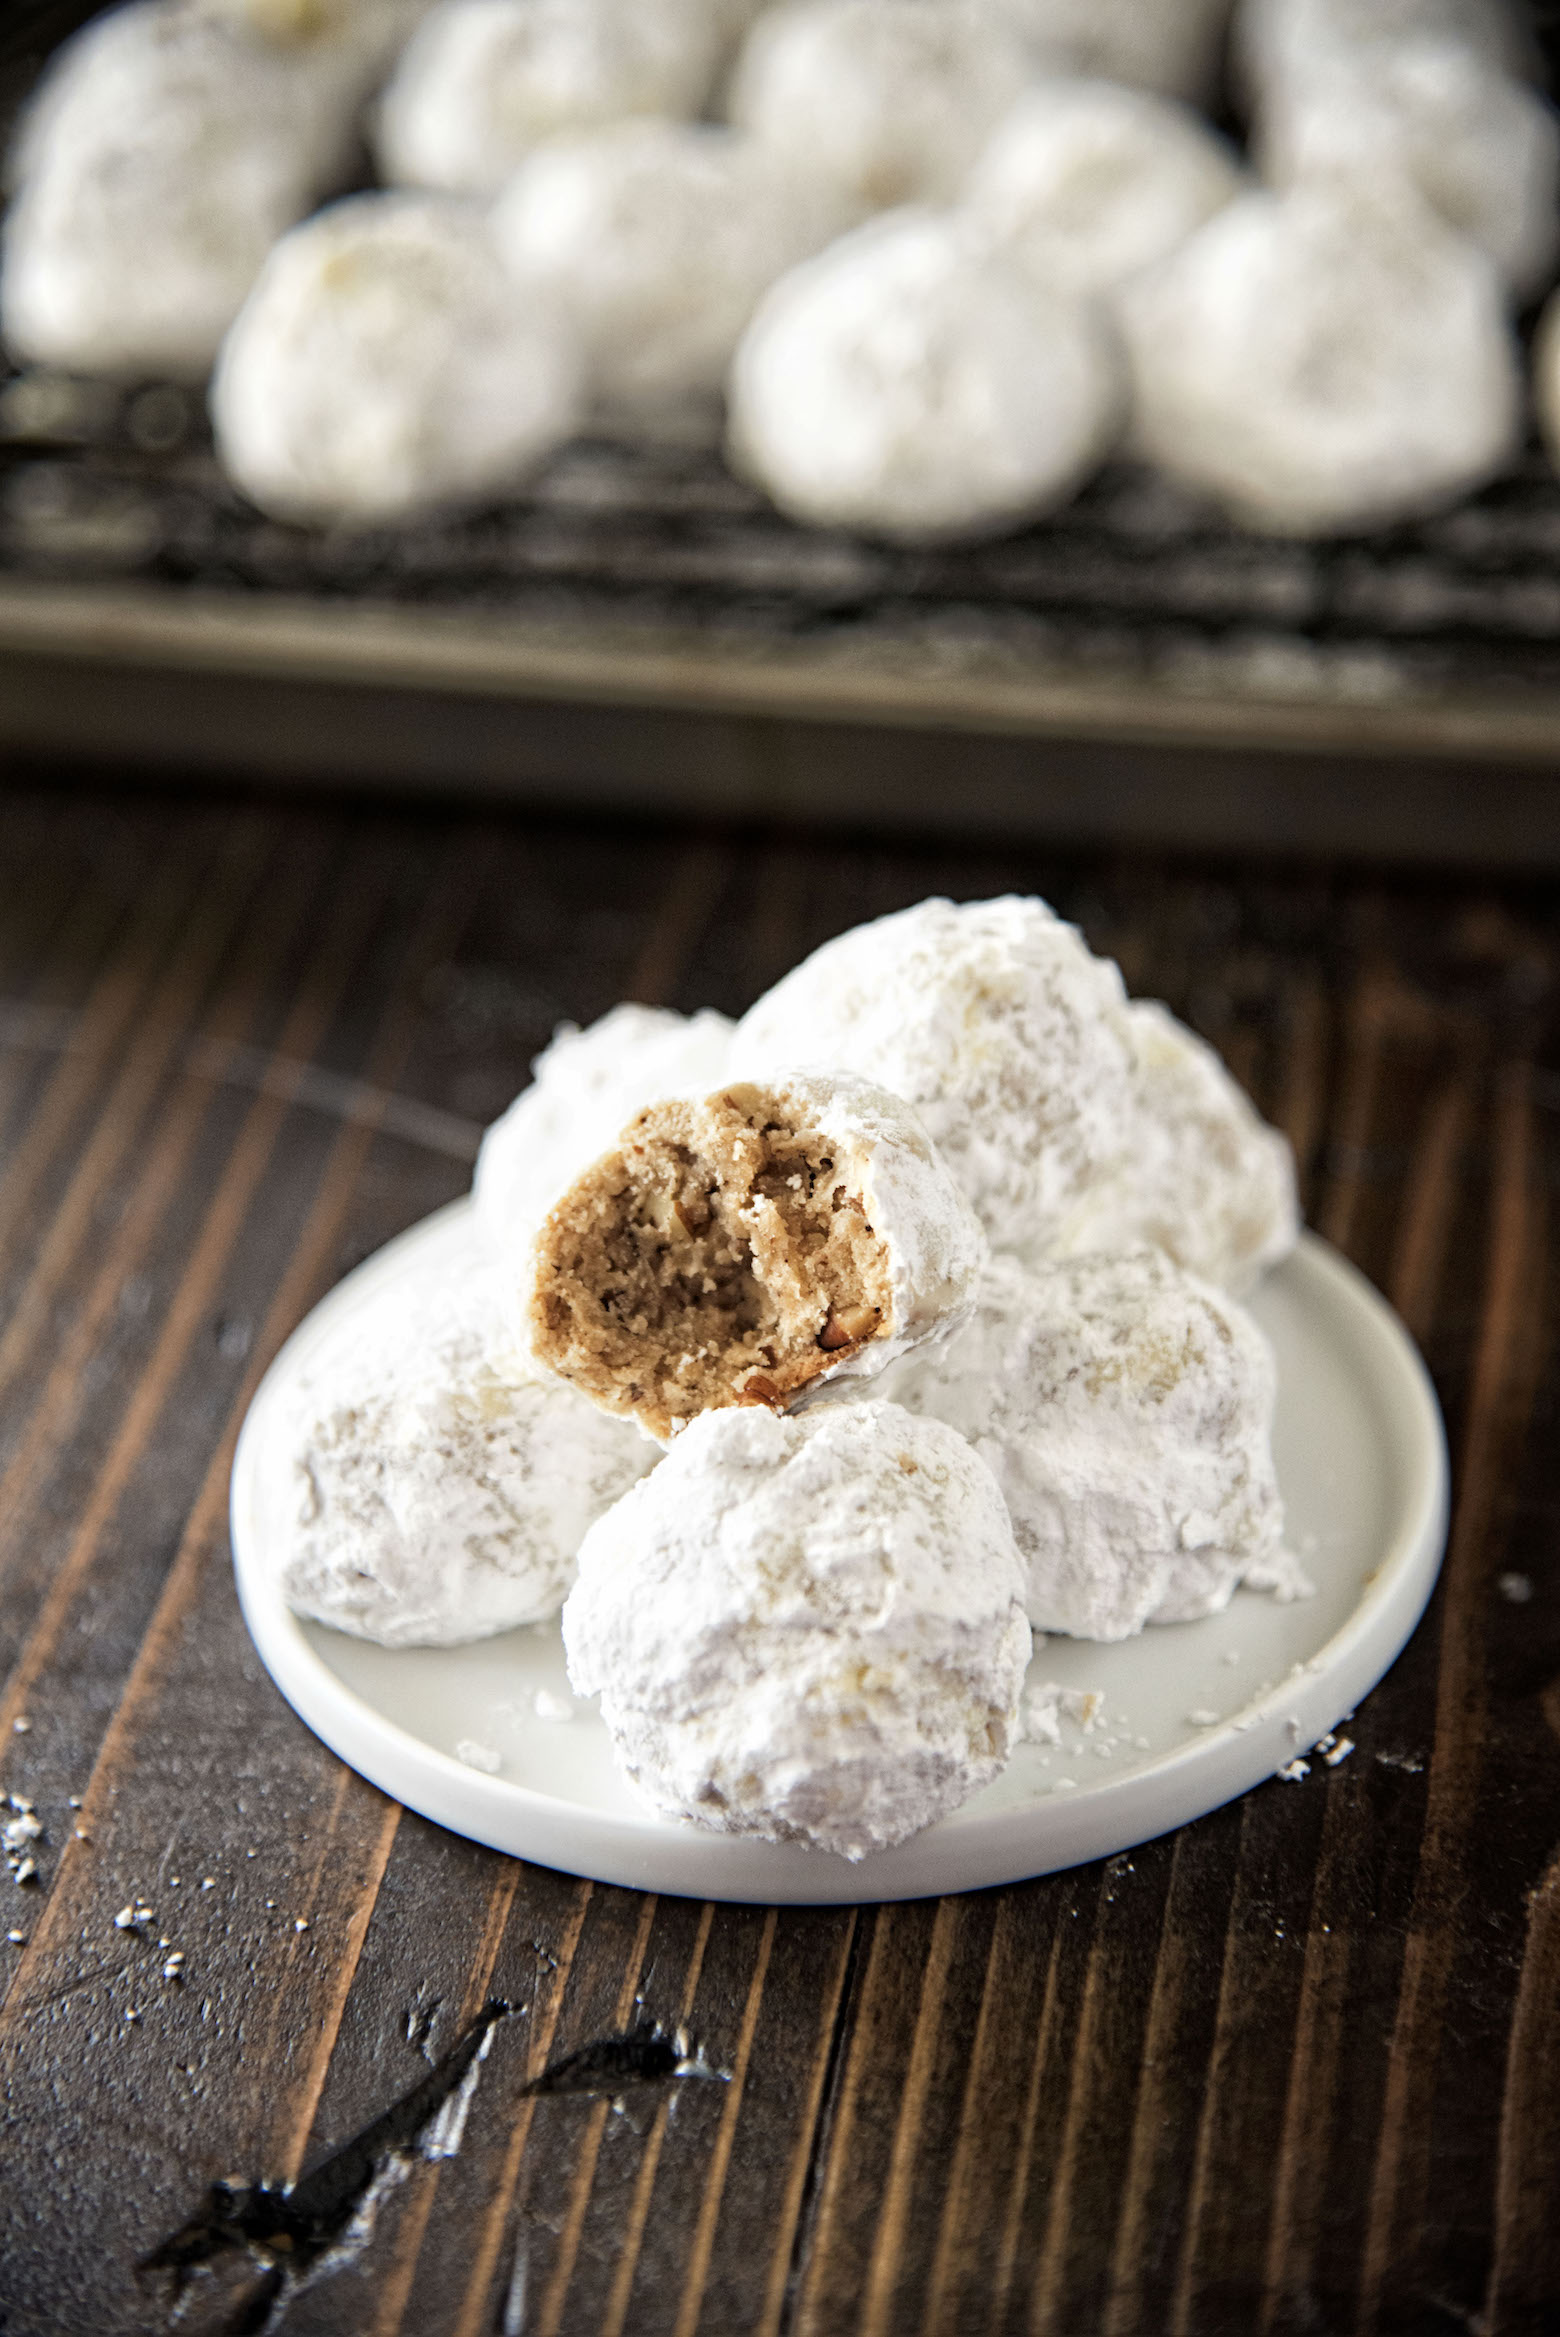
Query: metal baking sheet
[(145, 608)]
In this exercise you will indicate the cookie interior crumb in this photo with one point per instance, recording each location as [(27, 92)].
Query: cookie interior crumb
[(720, 1254)]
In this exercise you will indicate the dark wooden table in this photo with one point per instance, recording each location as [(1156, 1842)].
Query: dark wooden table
[(1293, 2070)]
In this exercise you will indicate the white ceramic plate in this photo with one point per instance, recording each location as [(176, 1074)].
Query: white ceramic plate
[(1193, 1713)]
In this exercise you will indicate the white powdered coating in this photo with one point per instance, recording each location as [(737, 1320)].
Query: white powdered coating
[(1046, 1704), (656, 240), (358, 39), (164, 155), (439, 1495), (995, 1023), (160, 73), (385, 364), (910, 383), (586, 1086), (1172, 46), (806, 1629), (1085, 183), (890, 101), (1278, 43), (482, 82), (1205, 1178), (1481, 149), (1126, 1410), (1324, 361)]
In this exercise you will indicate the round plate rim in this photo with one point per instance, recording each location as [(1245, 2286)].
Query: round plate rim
[(986, 1850)]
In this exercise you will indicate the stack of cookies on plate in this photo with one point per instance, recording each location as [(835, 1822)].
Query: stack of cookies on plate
[(813, 1362)]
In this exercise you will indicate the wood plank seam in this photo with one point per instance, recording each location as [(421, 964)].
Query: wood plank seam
[(208, 1258), (1414, 1288), (789, 2258), (1123, 2312), (588, 2149), (1496, 1417), (1366, 1027), (830, 2156), (696, 2271), (87, 943), (110, 1010), (876, 2318), (962, 2170), (63, 1393), (1524, 2269), (144, 1061), (1183, 2302), (473, 2321), (614, 2317), (1303, 1088), (1056, 2233), (346, 1954), (684, 912), (205, 1519), (395, 2284), (1007, 2253)]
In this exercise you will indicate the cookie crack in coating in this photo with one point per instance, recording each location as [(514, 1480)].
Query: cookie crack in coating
[(722, 1253)]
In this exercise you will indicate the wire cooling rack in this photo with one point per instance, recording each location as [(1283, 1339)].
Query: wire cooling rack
[(639, 569)]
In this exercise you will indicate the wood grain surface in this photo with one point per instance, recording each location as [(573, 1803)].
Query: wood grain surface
[(1292, 2072)]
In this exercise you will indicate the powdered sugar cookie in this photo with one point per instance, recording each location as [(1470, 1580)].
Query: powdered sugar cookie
[(1546, 376), (1204, 1179), (1085, 183), (386, 364), (437, 1494), (908, 383), (746, 1248), (1126, 1411), (656, 239), (996, 1024), (1324, 361), (1276, 44), (889, 101), (164, 156), (1483, 150), (808, 1630), (483, 82)]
